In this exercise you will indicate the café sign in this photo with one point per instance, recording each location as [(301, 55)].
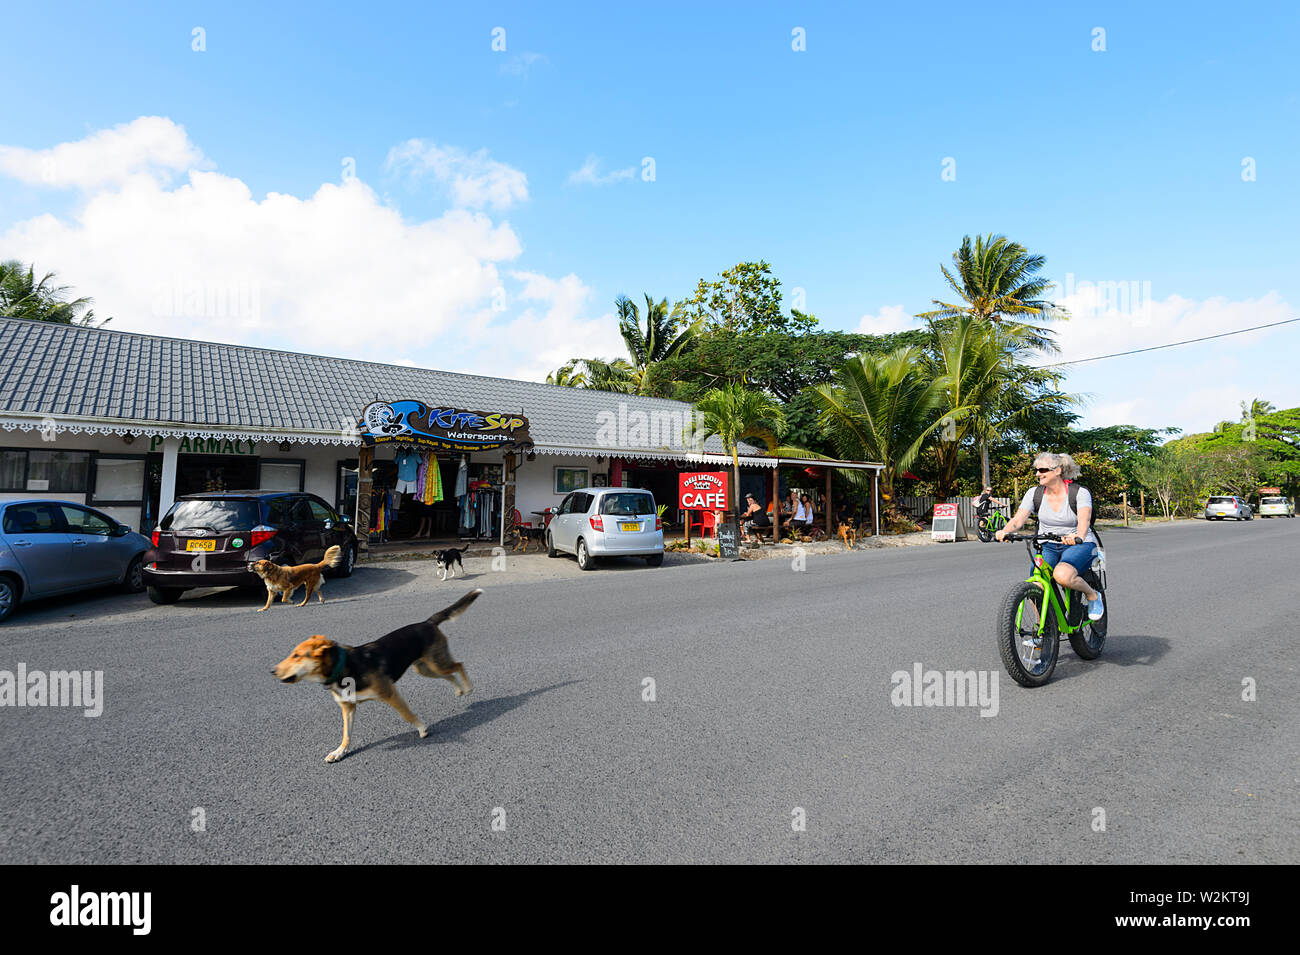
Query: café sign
[(703, 491), (440, 427)]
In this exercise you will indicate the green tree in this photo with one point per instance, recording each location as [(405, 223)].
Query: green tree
[(1165, 474), (881, 409), (745, 299), (734, 413), (987, 390), (658, 341), (22, 296), (999, 281)]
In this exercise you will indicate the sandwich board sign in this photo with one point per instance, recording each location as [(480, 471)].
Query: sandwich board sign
[(728, 540), (947, 525)]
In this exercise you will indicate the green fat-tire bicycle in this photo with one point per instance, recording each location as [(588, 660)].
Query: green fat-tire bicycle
[(1035, 614), (990, 524)]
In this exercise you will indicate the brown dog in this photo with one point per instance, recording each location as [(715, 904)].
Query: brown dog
[(285, 580), (370, 671), (847, 533)]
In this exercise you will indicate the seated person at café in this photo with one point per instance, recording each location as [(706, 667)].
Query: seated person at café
[(753, 518), (803, 516)]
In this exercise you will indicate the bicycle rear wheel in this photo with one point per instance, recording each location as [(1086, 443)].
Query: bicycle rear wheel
[(1089, 639), (1028, 656)]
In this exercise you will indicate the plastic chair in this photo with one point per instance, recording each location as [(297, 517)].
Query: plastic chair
[(707, 523), (519, 520)]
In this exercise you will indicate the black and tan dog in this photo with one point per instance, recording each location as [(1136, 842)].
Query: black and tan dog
[(371, 671), (285, 580), (528, 535)]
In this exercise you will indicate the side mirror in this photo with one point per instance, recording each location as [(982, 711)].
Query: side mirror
[(344, 519), (120, 530)]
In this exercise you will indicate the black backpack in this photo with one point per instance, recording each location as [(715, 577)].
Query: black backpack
[(1074, 506)]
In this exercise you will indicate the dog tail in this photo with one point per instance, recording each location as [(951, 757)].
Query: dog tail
[(456, 609), (333, 557)]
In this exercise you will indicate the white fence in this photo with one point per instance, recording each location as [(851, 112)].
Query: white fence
[(921, 507)]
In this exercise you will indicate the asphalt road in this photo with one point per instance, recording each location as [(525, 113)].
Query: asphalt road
[(773, 695)]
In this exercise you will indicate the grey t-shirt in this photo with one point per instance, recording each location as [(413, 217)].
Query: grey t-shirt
[(1064, 521)]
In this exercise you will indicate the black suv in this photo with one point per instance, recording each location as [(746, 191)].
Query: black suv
[(208, 540)]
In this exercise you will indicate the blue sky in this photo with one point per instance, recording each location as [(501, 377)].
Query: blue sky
[(1118, 165)]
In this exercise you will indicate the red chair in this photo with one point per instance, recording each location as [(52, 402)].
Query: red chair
[(519, 520), (707, 523)]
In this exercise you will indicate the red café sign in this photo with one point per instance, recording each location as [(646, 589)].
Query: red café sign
[(702, 491)]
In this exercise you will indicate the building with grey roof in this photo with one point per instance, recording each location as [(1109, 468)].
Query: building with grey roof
[(127, 422)]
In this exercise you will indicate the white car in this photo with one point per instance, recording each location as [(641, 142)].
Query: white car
[(1275, 506), (607, 522), (1223, 506)]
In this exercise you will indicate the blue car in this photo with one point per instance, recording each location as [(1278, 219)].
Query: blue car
[(49, 548)]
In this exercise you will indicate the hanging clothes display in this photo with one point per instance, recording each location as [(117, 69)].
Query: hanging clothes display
[(462, 477)]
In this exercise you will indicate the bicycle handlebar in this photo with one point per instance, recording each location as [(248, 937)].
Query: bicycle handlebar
[(1032, 537)]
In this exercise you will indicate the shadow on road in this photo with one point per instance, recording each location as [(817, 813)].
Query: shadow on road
[(1125, 650), (451, 728), (108, 602)]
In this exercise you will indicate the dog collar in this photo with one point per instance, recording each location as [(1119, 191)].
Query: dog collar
[(338, 665)]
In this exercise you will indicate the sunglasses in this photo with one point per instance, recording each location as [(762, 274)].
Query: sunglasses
[(1045, 470)]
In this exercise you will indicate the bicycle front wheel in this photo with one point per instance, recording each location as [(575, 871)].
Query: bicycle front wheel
[(1028, 655)]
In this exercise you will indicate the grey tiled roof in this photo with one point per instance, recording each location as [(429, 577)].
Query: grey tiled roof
[(62, 370)]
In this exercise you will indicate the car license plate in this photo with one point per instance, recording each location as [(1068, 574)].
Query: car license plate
[(630, 526), (200, 545)]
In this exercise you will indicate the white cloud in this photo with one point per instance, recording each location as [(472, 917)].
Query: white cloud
[(521, 63), (335, 273), (891, 318), (555, 327), (589, 174), (1125, 317), (473, 180), (151, 146)]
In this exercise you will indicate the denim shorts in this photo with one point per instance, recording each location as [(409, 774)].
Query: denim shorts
[(1078, 556)]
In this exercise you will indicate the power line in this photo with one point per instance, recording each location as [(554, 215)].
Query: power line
[(1190, 341)]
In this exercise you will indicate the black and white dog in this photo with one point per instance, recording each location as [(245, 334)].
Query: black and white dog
[(447, 561)]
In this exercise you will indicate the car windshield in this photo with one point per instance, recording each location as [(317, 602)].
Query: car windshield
[(627, 505), (217, 516)]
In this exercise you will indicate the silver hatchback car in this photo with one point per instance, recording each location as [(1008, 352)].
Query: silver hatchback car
[(607, 522), (1222, 507), (49, 548)]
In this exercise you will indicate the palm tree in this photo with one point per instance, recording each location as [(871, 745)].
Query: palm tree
[(656, 342), (734, 413), (881, 408), (986, 388), (568, 375), (21, 296), (998, 281), (647, 346)]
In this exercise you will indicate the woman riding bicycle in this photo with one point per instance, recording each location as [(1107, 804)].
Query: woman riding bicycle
[(1074, 554)]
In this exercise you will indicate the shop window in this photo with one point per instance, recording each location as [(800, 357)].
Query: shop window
[(281, 476), (13, 470), (57, 470), (119, 479)]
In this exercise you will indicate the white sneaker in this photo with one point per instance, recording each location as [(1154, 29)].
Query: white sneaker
[(1096, 608)]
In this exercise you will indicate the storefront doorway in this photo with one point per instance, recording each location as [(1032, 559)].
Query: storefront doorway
[(206, 473)]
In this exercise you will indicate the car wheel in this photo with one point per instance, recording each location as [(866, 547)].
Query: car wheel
[(165, 595), (550, 546), (133, 582), (655, 560), (10, 594), (585, 560), (348, 563)]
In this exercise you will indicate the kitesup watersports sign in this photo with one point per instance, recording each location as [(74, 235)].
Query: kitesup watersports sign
[(441, 427)]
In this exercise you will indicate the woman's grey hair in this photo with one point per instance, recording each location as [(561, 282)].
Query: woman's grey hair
[(1069, 470)]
